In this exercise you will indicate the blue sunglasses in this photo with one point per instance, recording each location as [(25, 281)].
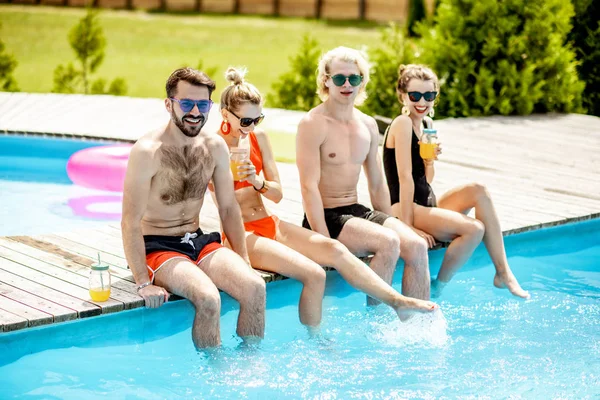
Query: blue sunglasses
[(187, 105)]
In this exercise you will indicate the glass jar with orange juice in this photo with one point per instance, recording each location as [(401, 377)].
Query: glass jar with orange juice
[(237, 156), (428, 144), (99, 281)]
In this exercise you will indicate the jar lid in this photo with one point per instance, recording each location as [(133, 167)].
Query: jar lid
[(429, 131), (99, 267)]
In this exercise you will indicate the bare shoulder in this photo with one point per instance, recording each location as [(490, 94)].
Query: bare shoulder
[(367, 120), (147, 146), (215, 144), (401, 124), (312, 125), (313, 118), (261, 135)]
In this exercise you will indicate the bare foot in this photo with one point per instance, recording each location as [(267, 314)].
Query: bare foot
[(510, 282), (407, 306)]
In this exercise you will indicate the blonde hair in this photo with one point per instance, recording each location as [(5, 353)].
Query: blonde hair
[(342, 54), (414, 71), (239, 91)]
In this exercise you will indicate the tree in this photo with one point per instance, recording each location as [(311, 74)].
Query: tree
[(416, 13), (393, 49), (585, 37), (296, 89), (7, 66), (88, 42), (502, 57)]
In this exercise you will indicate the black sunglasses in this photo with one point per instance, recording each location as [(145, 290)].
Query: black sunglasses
[(340, 79), (244, 122), (187, 105), (416, 96)]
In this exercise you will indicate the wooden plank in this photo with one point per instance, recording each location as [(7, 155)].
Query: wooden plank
[(340, 9), (387, 10), (53, 280), (297, 8), (58, 312), (103, 239), (256, 7), (181, 5), (118, 284), (33, 316), (94, 242), (112, 3), (218, 6), (84, 250), (83, 309), (10, 322), (146, 4), (69, 257), (122, 292)]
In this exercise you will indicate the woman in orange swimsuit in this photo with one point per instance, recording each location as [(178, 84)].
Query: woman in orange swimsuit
[(278, 246)]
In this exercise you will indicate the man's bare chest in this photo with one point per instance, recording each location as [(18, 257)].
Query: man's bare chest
[(349, 146), (183, 174)]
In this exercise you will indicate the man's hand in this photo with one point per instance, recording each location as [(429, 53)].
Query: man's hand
[(154, 296)]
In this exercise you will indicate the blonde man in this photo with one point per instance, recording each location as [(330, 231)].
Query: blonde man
[(334, 141)]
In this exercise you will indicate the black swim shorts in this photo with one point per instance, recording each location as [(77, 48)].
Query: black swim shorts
[(335, 218)]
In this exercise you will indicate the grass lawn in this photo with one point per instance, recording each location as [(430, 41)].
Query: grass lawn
[(284, 146), (144, 48)]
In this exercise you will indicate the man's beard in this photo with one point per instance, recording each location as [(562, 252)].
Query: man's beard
[(189, 131)]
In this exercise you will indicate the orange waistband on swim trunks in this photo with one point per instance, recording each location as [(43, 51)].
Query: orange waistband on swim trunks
[(157, 259)]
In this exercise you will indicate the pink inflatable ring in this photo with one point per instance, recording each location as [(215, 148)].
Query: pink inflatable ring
[(100, 167)]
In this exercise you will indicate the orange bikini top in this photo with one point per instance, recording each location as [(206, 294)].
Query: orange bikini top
[(255, 157)]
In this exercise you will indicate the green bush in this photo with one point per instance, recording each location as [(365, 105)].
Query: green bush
[(586, 40), (296, 89), (392, 51), (502, 57), (416, 13), (88, 42), (7, 66)]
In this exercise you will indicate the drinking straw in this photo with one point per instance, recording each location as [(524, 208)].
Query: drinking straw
[(101, 279)]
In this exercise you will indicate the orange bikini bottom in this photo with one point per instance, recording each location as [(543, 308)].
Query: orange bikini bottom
[(264, 227)]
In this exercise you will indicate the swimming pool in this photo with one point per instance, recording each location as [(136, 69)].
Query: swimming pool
[(486, 345), (37, 196)]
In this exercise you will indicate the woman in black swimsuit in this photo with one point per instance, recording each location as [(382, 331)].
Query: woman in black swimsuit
[(446, 219)]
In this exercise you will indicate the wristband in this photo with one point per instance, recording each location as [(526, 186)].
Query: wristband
[(263, 188), (143, 285)]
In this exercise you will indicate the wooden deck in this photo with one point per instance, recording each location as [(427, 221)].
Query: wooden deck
[(540, 170)]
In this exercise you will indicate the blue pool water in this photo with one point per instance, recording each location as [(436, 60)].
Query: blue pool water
[(37, 196), (486, 344)]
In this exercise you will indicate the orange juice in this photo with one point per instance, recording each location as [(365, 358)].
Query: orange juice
[(427, 150), (234, 164), (237, 157), (99, 294)]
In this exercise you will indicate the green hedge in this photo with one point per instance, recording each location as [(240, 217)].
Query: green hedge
[(502, 57), (8, 63), (393, 49), (586, 40)]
